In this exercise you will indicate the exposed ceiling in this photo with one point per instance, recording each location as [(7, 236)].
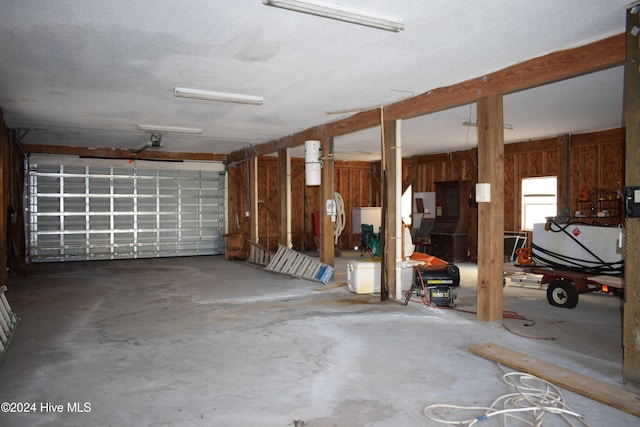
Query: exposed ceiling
[(86, 73)]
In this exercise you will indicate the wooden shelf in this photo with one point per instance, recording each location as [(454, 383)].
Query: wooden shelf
[(603, 207)]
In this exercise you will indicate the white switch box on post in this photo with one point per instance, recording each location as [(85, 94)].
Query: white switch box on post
[(483, 192)]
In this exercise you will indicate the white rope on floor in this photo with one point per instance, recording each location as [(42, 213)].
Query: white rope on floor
[(534, 402)]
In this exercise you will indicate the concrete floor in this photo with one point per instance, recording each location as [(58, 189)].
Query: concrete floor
[(207, 342)]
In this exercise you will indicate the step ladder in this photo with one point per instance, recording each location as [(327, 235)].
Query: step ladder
[(8, 323), (288, 261), (259, 254)]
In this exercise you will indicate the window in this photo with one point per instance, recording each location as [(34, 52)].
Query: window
[(406, 210), (539, 200)]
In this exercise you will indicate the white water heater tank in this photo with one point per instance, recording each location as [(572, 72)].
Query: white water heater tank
[(312, 163)]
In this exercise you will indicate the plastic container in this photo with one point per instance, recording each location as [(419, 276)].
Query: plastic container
[(363, 277)]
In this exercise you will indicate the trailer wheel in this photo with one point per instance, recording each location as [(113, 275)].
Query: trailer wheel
[(562, 293), (617, 292)]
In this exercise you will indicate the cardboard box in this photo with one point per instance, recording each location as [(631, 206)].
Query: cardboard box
[(236, 247)]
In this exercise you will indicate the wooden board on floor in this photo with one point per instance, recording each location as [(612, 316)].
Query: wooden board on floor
[(608, 394), (332, 286)]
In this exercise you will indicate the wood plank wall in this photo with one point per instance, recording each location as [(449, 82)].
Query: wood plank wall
[(525, 160), (597, 161), (459, 165), (351, 179), (12, 230), (4, 198)]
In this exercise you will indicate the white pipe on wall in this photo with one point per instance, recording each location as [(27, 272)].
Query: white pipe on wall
[(226, 204), (254, 206), (398, 208), (288, 185)]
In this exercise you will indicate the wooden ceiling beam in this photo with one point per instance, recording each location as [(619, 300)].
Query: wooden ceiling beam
[(119, 153), (550, 68)]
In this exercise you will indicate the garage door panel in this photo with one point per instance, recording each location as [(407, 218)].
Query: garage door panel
[(99, 204), (73, 185), (75, 223), (100, 238), (74, 170), (49, 168), (126, 222), (121, 186), (146, 191), (146, 204), (122, 204), (99, 222), (51, 240), (93, 211), (99, 186), (75, 204), (49, 223), (49, 204)]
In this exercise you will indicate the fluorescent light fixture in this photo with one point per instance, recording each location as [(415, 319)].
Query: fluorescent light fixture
[(339, 12), (475, 124), (169, 129), (209, 95)]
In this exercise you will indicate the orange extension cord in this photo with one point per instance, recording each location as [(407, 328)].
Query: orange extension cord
[(506, 314)]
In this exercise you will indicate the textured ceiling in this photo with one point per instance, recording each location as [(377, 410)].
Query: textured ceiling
[(85, 73)]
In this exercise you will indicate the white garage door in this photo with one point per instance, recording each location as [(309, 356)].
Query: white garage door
[(85, 209)]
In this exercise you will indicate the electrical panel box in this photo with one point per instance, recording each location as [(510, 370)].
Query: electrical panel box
[(632, 202)]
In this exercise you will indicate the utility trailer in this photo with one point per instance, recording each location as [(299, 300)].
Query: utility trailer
[(572, 259), (563, 286)]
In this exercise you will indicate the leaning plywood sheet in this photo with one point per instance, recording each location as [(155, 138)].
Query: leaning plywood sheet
[(608, 394)]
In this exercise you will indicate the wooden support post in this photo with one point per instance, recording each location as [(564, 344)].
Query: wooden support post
[(392, 185), (631, 317), (252, 170), (284, 197), (233, 204), (412, 179), (376, 185), (491, 214), (384, 206), (327, 249), (4, 198), (564, 174)]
